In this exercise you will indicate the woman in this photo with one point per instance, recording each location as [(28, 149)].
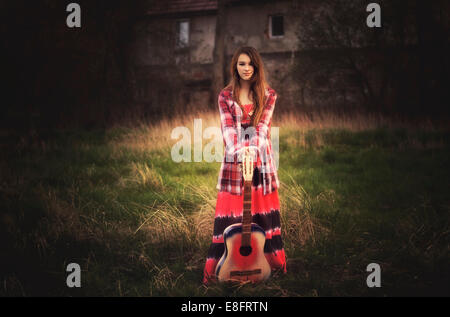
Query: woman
[(247, 104)]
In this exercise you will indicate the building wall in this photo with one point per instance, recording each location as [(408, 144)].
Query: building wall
[(248, 25), (278, 54), (186, 73), (305, 76), (170, 78)]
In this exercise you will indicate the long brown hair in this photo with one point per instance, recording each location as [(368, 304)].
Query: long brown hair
[(258, 82)]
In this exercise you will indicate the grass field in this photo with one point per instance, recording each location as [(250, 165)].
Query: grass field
[(354, 190)]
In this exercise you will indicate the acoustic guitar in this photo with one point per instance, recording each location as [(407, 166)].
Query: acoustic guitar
[(243, 258)]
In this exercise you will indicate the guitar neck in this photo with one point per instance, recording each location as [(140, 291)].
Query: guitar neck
[(247, 214)]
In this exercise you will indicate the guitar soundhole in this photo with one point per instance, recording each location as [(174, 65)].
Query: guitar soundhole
[(245, 250)]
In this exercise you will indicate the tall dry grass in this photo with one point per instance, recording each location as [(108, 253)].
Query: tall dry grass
[(143, 174), (299, 211), (166, 222), (154, 136), (145, 136), (352, 121)]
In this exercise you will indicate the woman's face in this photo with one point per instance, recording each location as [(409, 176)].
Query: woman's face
[(245, 67)]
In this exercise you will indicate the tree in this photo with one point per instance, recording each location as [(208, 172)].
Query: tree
[(380, 62), (218, 80)]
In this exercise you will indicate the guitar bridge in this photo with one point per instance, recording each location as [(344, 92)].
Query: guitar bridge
[(245, 273)]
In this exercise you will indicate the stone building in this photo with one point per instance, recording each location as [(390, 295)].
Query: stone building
[(316, 53), (173, 54)]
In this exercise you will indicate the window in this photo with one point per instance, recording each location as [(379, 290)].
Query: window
[(182, 39), (276, 26)]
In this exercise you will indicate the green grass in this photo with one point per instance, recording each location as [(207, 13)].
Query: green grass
[(140, 224)]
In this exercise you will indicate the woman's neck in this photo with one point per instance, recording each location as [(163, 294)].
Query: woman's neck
[(245, 85)]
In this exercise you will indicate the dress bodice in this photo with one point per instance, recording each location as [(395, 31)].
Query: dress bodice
[(246, 119), (248, 111)]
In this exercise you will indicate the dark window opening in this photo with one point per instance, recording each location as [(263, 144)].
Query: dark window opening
[(276, 26)]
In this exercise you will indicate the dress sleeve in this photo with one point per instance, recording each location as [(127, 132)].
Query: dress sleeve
[(260, 137), (233, 146)]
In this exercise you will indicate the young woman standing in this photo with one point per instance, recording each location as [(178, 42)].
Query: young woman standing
[(246, 102)]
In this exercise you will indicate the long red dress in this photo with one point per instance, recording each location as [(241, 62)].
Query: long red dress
[(265, 211)]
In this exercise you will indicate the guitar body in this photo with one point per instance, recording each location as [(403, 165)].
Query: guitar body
[(240, 263), (243, 258)]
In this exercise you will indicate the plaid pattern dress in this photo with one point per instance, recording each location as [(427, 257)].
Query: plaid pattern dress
[(229, 208)]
